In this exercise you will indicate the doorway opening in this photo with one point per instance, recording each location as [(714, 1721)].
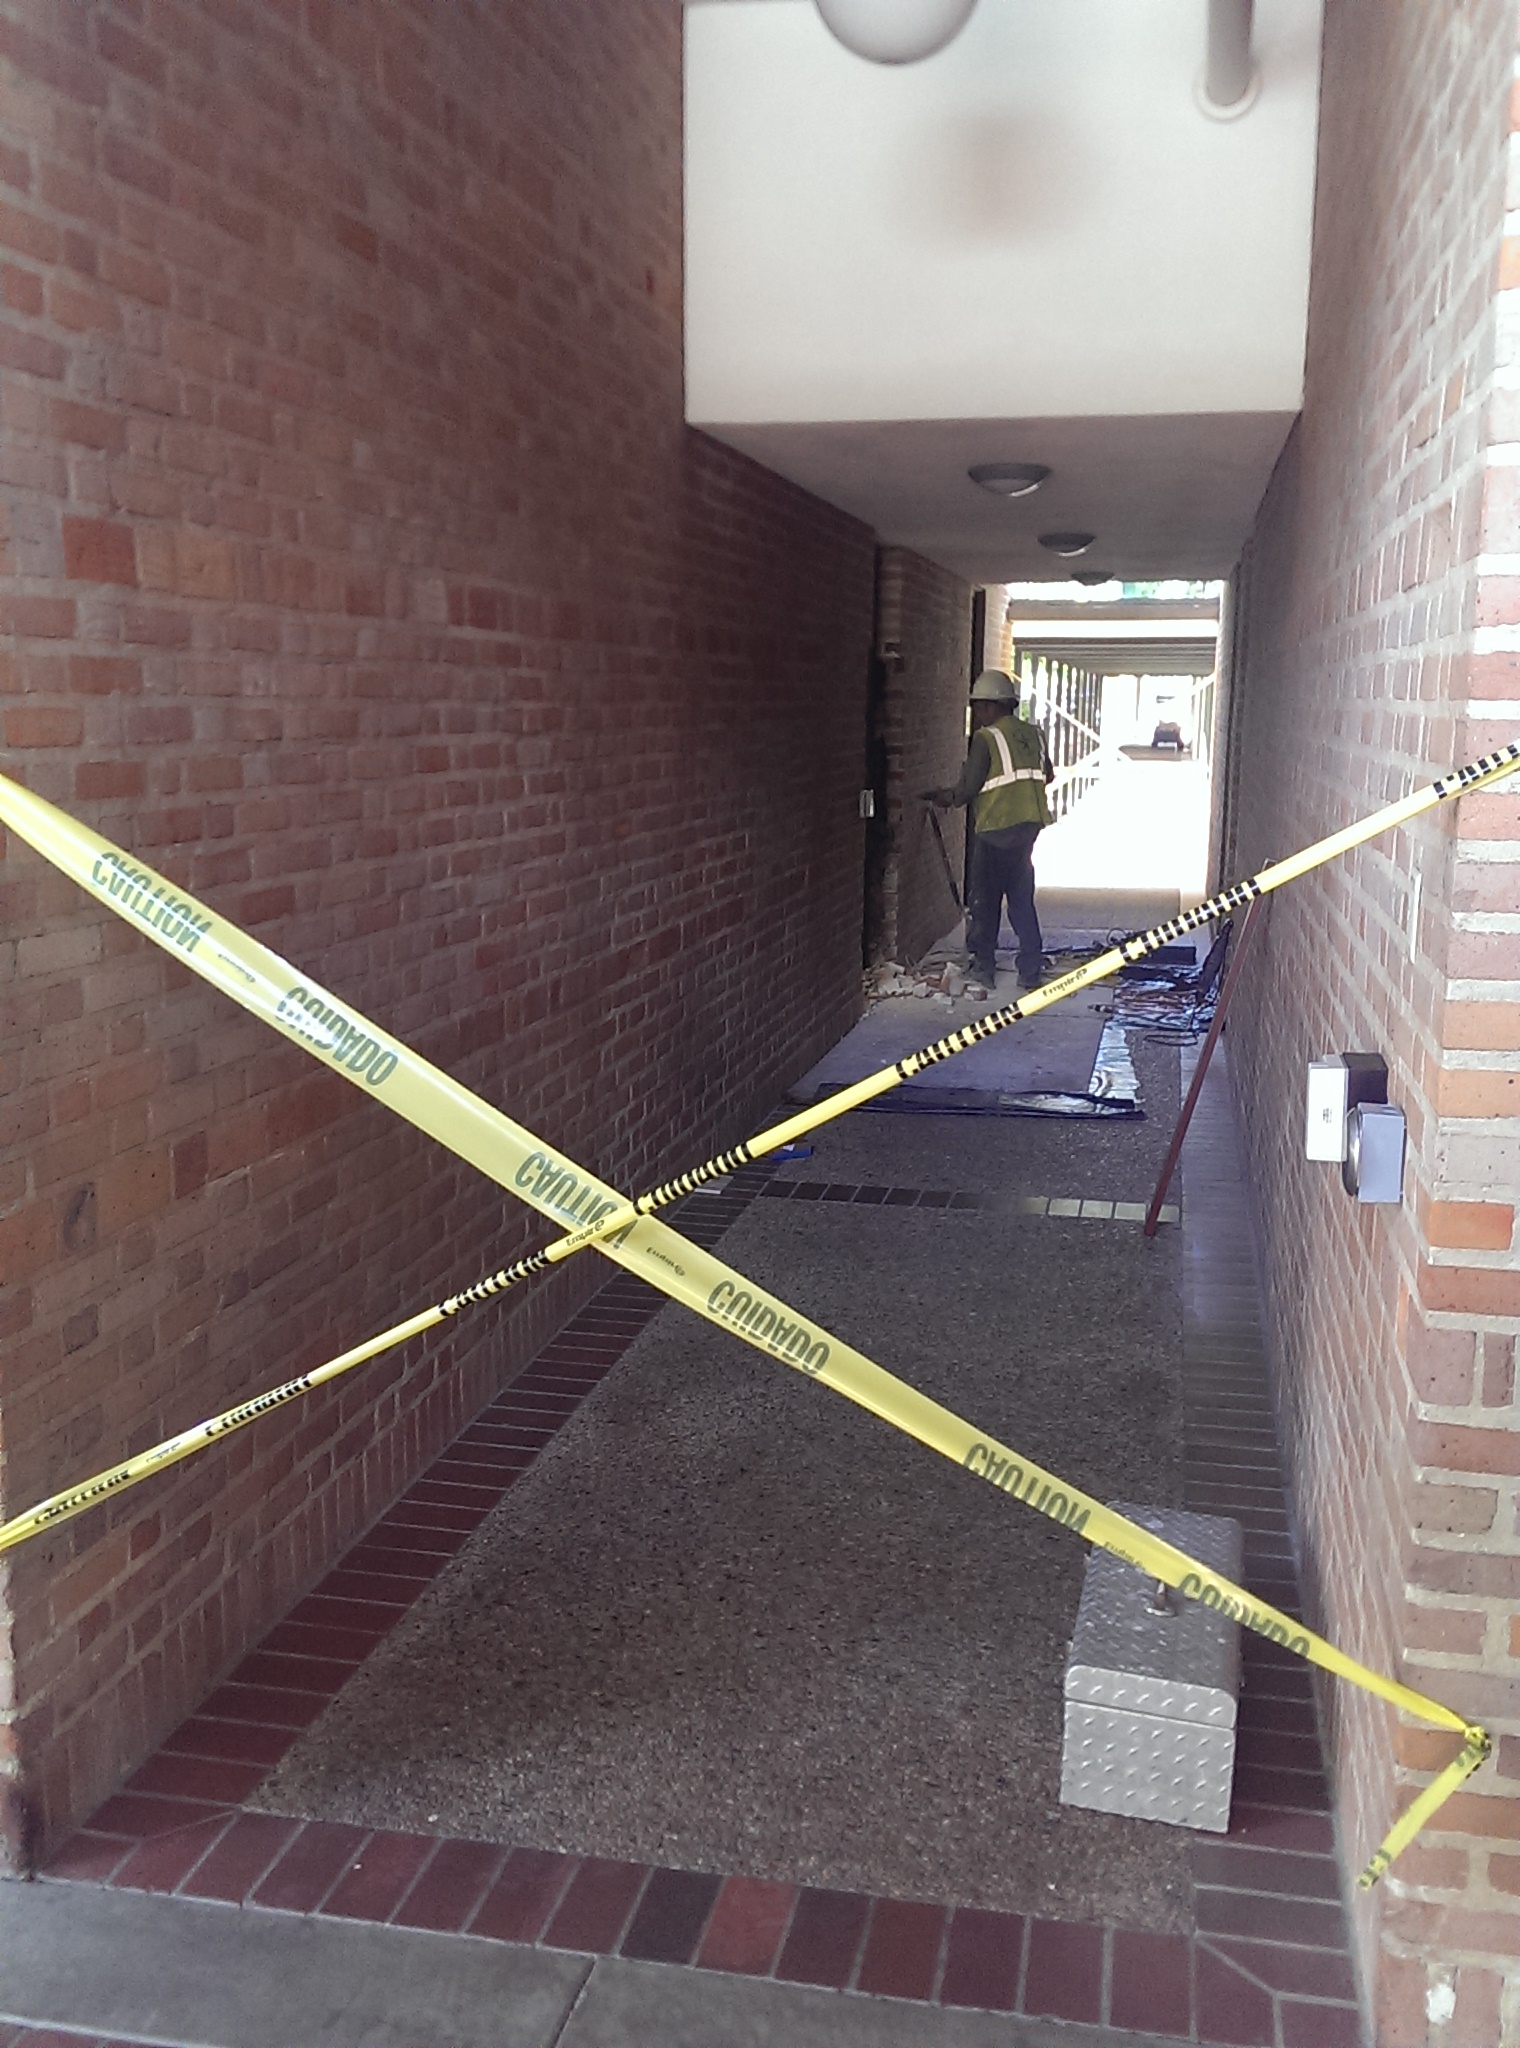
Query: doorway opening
[(1123, 683)]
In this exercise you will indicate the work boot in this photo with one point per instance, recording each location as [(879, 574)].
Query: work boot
[(984, 971)]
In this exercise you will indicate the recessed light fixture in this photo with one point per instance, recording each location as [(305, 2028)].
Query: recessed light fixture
[(895, 31), (1009, 479), (1092, 577), (1067, 543)]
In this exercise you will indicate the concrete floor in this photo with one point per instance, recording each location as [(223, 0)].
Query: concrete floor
[(1000, 1155), (1059, 1054), (77, 1966)]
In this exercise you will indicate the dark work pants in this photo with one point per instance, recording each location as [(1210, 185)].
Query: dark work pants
[(996, 872)]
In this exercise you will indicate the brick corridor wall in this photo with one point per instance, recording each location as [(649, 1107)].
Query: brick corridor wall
[(1378, 645), (361, 574), (996, 650), (923, 642)]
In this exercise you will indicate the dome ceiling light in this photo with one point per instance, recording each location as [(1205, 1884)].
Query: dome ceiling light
[(895, 31), (1067, 544), (1009, 479), (1092, 577)]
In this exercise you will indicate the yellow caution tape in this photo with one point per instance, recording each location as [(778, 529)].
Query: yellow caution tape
[(300, 1009), (1474, 1751), (74, 1500)]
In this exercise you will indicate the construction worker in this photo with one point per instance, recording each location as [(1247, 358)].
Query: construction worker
[(1007, 768)]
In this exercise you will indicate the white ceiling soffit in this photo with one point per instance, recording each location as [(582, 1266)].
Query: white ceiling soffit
[(1166, 496), (1038, 220), (1150, 657), (1161, 637), (1030, 247), (1075, 613)]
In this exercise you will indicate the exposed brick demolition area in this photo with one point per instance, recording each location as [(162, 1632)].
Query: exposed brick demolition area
[(361, 575), (918, 733), (1379, 650)]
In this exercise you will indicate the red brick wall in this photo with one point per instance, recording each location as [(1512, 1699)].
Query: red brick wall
[(1376, 646), (923, 641), (361, 574)]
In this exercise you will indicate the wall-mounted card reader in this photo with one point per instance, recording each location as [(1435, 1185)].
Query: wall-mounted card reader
[(1337, 1084), (1349, 1119)]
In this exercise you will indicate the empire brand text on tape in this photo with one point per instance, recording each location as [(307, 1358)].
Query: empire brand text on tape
[(264, 984)]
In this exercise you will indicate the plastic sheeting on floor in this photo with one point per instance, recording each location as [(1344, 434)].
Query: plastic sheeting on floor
[(1044, 1067)]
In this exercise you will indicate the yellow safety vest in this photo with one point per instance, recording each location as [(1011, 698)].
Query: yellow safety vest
[(1014, 791)]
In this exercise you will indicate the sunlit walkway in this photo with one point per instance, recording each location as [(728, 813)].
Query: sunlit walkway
[(1145, 825)]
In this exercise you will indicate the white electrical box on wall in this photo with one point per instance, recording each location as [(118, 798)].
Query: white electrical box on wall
[(1325, 1120)]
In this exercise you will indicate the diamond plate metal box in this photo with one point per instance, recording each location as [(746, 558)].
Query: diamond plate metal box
[(1150, 1694)]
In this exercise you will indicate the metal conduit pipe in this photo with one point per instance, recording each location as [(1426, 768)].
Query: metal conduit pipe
[(1229, 82)]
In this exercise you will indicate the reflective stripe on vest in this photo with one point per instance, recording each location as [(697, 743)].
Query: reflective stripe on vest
[(1010, 773), (1013, 796)]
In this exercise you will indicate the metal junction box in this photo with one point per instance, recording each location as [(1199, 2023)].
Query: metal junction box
[(1373, 1168), (1151, 1692)]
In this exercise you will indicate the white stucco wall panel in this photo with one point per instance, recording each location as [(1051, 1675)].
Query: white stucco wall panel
[(1039, 221)]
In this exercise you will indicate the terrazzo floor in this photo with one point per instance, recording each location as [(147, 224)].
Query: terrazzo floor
[(730, 1622)]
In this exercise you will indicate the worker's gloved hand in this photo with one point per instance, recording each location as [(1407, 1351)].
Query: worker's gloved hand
[(942, 797)]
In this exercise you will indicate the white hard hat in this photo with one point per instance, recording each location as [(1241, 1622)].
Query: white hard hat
[(994, 686)]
